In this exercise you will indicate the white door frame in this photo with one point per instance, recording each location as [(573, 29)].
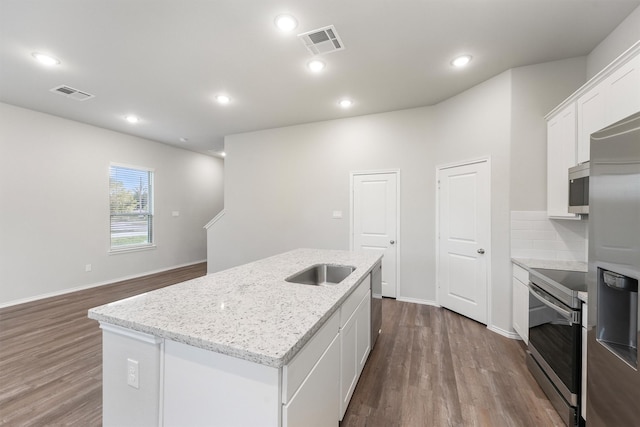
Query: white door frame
[(489, 252), (398, 243)]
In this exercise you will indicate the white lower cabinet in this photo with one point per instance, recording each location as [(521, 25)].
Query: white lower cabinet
[(521, 302), (181, 385), (355, 342), (363, 336), (315, 404)]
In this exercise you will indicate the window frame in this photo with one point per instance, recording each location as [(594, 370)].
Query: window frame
[(150, 211)]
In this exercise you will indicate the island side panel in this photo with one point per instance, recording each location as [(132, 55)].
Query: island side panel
[(206, 388), (130, 398)]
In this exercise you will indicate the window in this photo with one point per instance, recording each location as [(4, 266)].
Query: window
[(131, 207)]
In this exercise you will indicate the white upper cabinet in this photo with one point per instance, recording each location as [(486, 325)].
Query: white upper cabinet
[(610, 96), (591, 117), (622, 90), (613, 99), (561, 155)]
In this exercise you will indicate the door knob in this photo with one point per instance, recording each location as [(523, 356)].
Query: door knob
[(480, 251), (392, 242)]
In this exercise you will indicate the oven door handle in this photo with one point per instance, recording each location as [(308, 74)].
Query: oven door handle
[(572, 316)]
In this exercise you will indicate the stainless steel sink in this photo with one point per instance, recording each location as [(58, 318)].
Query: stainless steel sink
[(322, 274)]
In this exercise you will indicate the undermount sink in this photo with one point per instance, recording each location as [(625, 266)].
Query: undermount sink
[(322, 274)]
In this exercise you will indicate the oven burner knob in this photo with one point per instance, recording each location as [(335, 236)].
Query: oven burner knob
[(480, 251)]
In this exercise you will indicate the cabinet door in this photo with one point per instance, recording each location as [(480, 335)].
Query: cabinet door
[(521, 309), (348, 362), (363, 332), (622, 91), (591, 117), (316, 401), (561, 155)]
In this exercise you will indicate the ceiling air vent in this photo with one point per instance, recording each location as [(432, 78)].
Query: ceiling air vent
[(72, 93), (322, 40)]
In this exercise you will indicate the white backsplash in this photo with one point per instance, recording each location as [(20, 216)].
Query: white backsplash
[(535, 236)]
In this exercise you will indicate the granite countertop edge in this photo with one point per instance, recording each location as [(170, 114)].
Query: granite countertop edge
[(236, 285)]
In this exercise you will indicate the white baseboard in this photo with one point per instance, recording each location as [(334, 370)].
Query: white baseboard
[(509, 334), (93, 285), (418, 301)]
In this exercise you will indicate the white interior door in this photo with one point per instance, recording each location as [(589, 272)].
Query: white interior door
[(375, 221), (463, 238)]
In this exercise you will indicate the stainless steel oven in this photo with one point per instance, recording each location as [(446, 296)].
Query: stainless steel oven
[(555, 337)]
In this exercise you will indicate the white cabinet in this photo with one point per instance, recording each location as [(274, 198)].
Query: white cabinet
[(313, 389), (591, 117), (614, 98), (608, 97), (363, 335), (355, 341), (521, 302), (315, 404), (622, 91), (561, 155)]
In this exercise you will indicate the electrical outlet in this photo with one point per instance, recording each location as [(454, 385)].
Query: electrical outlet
[(87, 268), (132, 373)]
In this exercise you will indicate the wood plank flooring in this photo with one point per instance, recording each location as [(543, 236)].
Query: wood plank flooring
[(430, 367), (433, 367), (51, 353)]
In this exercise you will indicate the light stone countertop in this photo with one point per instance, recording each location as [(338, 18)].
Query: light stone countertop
[(528, 263), (249, 311)]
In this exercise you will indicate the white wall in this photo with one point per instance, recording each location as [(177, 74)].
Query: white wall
[(536, 90), (281, 186), (477, 123), (620, 39), (54, 215)]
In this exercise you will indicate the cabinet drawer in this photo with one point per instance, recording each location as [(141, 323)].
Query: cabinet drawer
[(521, 274), (297, 370), (352, 302)]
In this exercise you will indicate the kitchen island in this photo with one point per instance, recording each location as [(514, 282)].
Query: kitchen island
[(239, 347)]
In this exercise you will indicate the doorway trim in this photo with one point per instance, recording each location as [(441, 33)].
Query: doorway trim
[(398, 243), (439, 168)]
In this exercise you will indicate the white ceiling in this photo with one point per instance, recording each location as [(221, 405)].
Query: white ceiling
[(165, 60)]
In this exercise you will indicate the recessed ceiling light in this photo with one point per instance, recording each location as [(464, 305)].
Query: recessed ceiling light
[(223, 99), (45, 59), (286, 22), (461, 61), (345, 103), (316, 65), (132, 119)]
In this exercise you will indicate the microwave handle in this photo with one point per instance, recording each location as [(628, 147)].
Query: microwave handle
[(572, 317)]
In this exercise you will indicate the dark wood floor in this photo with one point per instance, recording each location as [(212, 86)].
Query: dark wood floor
[(433, 367), (430, 367), (51, 354)]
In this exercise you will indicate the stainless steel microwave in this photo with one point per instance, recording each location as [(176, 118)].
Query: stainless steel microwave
[(579, 189)]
